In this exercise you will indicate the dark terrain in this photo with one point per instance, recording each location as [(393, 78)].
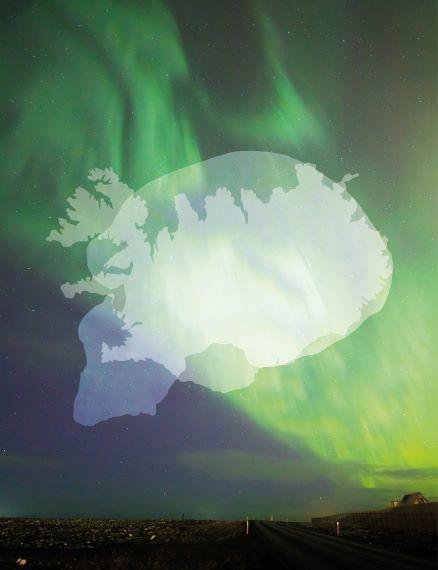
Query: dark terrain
[(409, 543), (300, 547), (91, 543), (192, 544)]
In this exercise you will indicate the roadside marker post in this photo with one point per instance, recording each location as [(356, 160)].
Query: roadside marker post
[(338, 528), (247, 525)]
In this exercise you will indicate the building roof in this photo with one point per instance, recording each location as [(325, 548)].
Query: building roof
[(413, 498)]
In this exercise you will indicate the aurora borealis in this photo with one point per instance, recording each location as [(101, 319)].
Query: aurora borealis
[(150, 87)]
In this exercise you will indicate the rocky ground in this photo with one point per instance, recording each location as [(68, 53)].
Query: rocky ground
[(84, 543), (162, 544)]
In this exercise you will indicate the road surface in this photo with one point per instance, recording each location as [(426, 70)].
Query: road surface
[(296, 548)]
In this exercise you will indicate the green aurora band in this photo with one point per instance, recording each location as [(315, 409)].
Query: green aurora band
[(115, 86)]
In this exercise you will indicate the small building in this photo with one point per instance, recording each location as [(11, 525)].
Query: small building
[(413, 499), (410, 499)]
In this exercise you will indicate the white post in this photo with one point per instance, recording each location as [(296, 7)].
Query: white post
[(338, 528), (247, 525)]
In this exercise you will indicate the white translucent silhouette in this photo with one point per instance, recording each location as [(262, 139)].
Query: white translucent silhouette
[(268, 261)]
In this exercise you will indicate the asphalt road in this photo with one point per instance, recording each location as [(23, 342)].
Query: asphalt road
[(296, 548)]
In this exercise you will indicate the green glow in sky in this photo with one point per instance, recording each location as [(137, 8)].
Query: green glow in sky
[(129, 87)]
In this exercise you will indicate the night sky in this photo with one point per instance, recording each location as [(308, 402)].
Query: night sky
[(149, 87)]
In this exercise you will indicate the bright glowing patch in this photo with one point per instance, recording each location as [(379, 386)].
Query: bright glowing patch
[(259, 254)]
